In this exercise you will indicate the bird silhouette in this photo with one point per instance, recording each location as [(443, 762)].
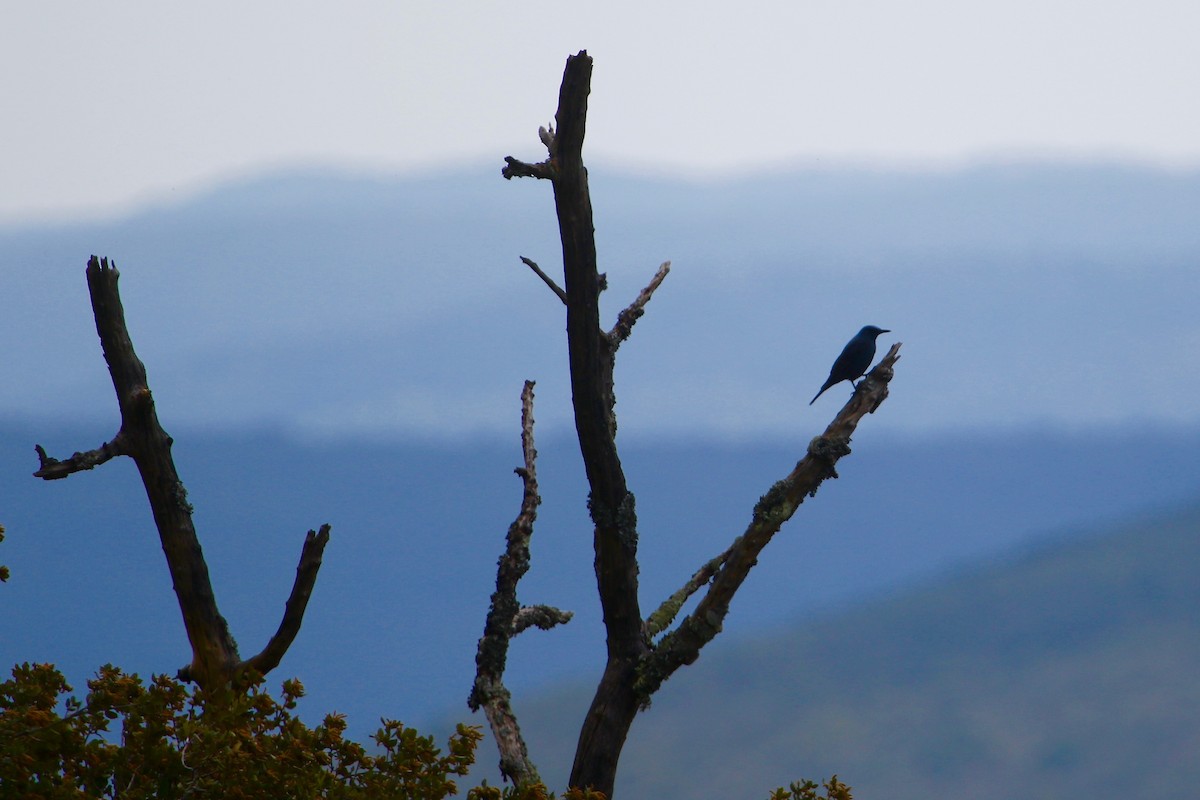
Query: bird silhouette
[(856, 357)]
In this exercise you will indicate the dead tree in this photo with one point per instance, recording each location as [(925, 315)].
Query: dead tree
[(642, 651), (215, 661)]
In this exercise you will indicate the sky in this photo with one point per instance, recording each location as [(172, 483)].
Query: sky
[(110, 106)]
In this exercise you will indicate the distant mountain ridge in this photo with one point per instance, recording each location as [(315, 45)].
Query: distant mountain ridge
[(330, 304)]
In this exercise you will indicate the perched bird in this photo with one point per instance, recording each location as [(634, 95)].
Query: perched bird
[(856, 357)]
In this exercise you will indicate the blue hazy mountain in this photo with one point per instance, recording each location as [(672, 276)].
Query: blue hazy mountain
[(323, 303), (417, 529)]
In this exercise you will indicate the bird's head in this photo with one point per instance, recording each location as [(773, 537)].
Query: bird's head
[(872, 331)]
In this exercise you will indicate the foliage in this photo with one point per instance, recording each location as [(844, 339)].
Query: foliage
[(3, 569), (807, 790), (534, 792), (133, 740)]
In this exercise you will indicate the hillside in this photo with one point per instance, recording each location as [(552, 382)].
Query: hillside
[(1062, 671)]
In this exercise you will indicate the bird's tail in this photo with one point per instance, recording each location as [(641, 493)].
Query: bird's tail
[(828, 383)]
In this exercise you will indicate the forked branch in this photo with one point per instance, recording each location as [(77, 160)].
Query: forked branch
[(215, 662), (506, 618)]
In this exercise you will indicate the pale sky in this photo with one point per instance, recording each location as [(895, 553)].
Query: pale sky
[(107, 105)]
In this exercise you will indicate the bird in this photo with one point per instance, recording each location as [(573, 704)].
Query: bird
[(856, 357)]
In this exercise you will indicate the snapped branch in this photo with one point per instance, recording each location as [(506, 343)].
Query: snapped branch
[(627, 318), (514, 168), (51, 469), (591, 362), (539, 616)]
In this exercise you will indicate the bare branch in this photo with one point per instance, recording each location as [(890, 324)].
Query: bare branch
[(682, 645), (627, 318), (506, 618), (520, 169), (52, 469), (661, 619), (293, 612), (554, 287), (515, 168), (544, 617)]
